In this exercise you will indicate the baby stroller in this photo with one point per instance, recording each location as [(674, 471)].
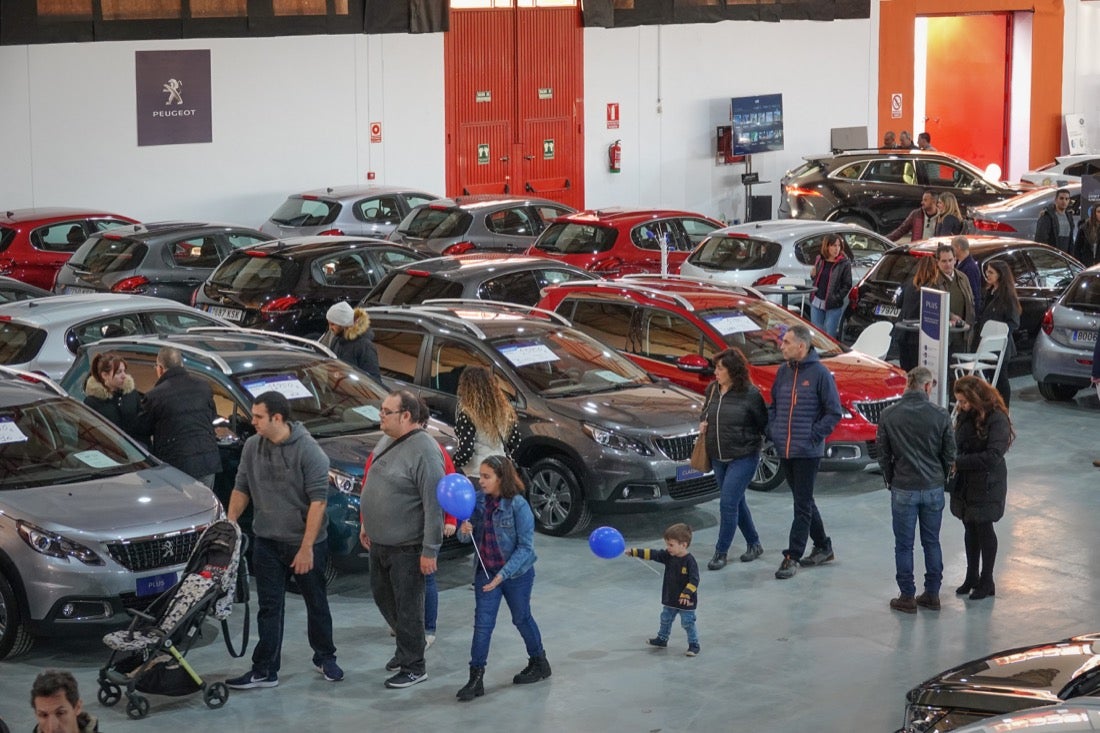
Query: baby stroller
[(149, 655)]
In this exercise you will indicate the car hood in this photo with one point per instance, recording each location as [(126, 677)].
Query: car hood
[(859, 377), (634, 409), (156, 499), (348, 453)]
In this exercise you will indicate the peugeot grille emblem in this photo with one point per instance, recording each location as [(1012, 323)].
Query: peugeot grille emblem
[(166, 549)]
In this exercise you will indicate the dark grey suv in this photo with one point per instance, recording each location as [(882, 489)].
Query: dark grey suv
[(598, 433)]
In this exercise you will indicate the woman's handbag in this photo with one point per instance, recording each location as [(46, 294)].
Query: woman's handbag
[(700, 461)]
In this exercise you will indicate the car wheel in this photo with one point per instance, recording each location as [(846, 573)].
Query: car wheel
[(1057, 392), (768, 474), (857, 220), (556, 498), (15, 639)]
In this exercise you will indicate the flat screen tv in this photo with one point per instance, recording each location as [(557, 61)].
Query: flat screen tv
[(757, 124)]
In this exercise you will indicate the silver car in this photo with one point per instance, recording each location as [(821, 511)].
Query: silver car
[(1065, 169), (90, 523), (1017, 216), (43, 335), (361, 211), (1062, 360)]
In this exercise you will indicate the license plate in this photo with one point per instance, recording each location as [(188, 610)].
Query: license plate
[(155, 584), (890, 311), (74, 290), (1084, 337), (686, 473), (229, 314)]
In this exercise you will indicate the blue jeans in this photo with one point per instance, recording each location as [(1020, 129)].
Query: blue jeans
[(687, 620), (907, 508), (398, 589), (516, 592), (826, 320), (271, 567), (800, 474), (431, 603), (733, 511)]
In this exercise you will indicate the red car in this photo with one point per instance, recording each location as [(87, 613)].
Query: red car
[(674, 329), (35, 243), (617, 242)]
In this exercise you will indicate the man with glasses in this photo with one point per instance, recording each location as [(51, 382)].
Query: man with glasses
[(1055, 226), (957, 286), (402, 526)]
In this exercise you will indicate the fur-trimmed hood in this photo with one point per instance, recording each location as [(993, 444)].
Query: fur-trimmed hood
[(359, 327), (95, 388)]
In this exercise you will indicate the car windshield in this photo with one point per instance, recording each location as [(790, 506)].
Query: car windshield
[(245, 271), (109, 254), (575, 239), (405, 286), (756, 328), (722, 252), (895, 268), (561, 362), (430, 222), (298, 211), (1084, 293), (329, 397), (60, 441), (19, 343)]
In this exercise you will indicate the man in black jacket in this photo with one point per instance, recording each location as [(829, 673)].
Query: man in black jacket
[(916, 451), (178, 414)]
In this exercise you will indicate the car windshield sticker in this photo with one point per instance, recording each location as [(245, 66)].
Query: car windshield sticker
[(288, 386), (95, 459), (727, 323), (370, 412), (10, 432), (522, 354), (610, 376)]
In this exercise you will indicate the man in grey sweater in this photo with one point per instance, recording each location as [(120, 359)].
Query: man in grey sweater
[(284, 475), (402, 526)]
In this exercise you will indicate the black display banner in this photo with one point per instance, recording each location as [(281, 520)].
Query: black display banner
[(173, 97)]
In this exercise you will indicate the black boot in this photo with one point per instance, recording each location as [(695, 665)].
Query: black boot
[(985, 589), (537, 669), (969, 584), (717, 562), (475, 687)]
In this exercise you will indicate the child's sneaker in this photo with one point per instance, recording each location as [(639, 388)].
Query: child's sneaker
[(658, 641), (693, 650)]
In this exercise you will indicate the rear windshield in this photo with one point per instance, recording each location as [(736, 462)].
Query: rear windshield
[(109, 254), (433, 223), (19, 343), (735, 253), (6, 237), (400, 288), (247, 272), (894, 268), (305, 212), (1084, 293), (576, 239)]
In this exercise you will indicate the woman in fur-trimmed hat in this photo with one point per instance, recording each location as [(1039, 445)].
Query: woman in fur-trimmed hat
[(352, 340)]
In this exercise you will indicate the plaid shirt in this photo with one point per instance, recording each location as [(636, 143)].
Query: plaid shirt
[(489, 548)]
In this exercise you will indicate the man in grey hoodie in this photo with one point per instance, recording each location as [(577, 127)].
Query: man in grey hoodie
[(402, 526), (284, 475)]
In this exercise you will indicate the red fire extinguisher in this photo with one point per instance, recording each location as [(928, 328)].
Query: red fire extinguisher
[(615, 157)]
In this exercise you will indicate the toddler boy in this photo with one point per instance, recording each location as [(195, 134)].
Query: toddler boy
[(679, 592)]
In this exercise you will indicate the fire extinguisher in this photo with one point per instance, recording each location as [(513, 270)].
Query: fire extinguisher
[(615, 156)]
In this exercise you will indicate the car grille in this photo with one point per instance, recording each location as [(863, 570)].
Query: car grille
[(872, 411), (872, 450), (154, 552), (678, 447), (693, 488)]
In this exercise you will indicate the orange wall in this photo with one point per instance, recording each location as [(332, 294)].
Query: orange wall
[(896, 21)]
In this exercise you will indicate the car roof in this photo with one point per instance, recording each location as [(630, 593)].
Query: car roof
[(687, 293), (487, 201), (151, 230), (18, 387), (979, 244), (479, 318), (19, 216), (459, 266), (790, 227), (63, 308), (318, 244), (356, 191), (621, 215)]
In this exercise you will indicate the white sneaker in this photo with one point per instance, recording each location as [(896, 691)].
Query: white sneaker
[(429, 639)]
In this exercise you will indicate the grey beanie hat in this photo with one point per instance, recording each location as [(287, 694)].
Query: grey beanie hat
[(341, 314)]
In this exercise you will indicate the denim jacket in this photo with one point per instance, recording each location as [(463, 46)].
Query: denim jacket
[(514, 523)]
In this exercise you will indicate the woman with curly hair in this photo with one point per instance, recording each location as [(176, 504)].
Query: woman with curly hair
[(485, 421), (949, 219), (983, 434)]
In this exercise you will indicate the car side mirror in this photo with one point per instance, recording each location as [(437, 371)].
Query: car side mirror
[(694, 363)]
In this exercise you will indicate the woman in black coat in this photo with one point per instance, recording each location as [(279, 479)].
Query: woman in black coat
[(109, 390), (983, 434), (1000, 303)]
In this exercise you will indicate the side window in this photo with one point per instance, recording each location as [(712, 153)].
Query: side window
[(1077, 169), (1021, 268), (398, 352), (514, 287), (176, 321), (1051, 271), (650, 235), (380, 210), (608, 323), (696, 230), (667, 336), (238, 240), (105, 225), (195, 252), (516, 222), (891, 170), (549, 213), (392, 258), (849, 172), (808, 250), (65, 236), (545, 278), (449, 358), (89, 332), (349, 270), (142, 367), (415, 199), (864, 249)]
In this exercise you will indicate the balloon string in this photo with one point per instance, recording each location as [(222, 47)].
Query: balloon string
[(474, 543), (647, 566)]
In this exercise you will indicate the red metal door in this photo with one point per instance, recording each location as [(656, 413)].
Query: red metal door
[(514, 96)]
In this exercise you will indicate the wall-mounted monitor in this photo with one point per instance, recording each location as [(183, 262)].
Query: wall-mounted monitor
[(757, 124)]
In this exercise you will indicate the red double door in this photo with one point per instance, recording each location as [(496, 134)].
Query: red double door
[(514, 103)]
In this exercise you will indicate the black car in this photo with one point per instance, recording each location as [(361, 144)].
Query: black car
[(484, 276), (1042, 273), (12, 290), (1015, 679), (877, 189), (337, 404), (163, 259), (288, 285)]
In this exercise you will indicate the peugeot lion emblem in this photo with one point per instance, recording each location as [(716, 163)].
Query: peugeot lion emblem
[(166, 549), (173, 90)]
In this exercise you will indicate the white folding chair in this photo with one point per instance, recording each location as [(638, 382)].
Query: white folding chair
[(987, 361), (875, 339)]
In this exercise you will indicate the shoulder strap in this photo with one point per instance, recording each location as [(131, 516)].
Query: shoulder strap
[(395, 443)]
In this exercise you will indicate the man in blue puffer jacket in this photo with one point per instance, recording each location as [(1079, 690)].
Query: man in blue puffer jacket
[(804, 410)]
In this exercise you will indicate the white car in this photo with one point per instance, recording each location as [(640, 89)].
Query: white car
[(1065, 169)]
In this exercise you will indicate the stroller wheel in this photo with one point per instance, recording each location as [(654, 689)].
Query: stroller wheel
[(137, 707), (109, 693), (215, 695)]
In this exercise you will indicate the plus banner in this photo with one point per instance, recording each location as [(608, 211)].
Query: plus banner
[(173, 97)]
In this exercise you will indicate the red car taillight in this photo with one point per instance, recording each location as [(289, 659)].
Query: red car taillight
[(800, 191), (278, 305), (985, 225), (853, 296), (135, 284), (331, 233), (1047, 324), (772, 279), (459, 248)]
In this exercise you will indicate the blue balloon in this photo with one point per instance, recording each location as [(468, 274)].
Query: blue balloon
[(607, 542), (456, 495)]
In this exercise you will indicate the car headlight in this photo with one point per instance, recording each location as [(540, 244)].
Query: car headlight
[(615, 440), (922, 718), (55, 545), (344, 482)]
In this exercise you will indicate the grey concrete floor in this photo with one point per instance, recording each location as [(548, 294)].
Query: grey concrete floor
[(820, 652)]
